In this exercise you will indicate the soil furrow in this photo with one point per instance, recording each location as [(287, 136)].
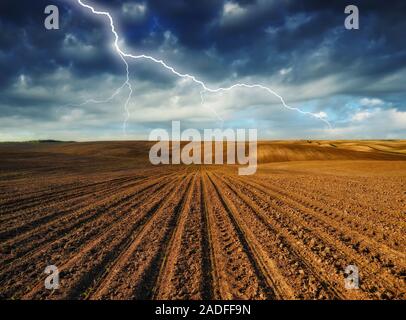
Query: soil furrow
[(87, 266), (241, 272), (352, 220), (329, 248), (209, 280), (142, 253), (45, 215), (163, 288), (278, 242), (75, 218), (84, 236)]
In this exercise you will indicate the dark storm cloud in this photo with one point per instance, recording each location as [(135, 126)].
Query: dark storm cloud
[(189, 20), (33, 50), (271, 34), (300, 28)]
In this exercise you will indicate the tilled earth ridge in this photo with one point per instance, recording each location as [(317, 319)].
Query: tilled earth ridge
[(201, 232)]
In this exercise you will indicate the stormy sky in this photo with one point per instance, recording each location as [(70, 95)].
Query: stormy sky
[(53, 82)]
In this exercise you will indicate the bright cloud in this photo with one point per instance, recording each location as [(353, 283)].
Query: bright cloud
[(134, 11), (371, 102)]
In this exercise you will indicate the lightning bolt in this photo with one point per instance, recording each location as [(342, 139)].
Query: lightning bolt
[(126, 83), (123, 55)]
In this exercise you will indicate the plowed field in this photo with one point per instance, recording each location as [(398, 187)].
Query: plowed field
[(119, 228)]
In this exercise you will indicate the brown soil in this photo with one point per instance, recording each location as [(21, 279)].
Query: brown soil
[(118, 228)]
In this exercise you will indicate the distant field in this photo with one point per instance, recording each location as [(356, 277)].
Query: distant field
[(268, 151), (119, 228)]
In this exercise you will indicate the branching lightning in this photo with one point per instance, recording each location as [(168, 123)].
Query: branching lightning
[(123, 55)]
